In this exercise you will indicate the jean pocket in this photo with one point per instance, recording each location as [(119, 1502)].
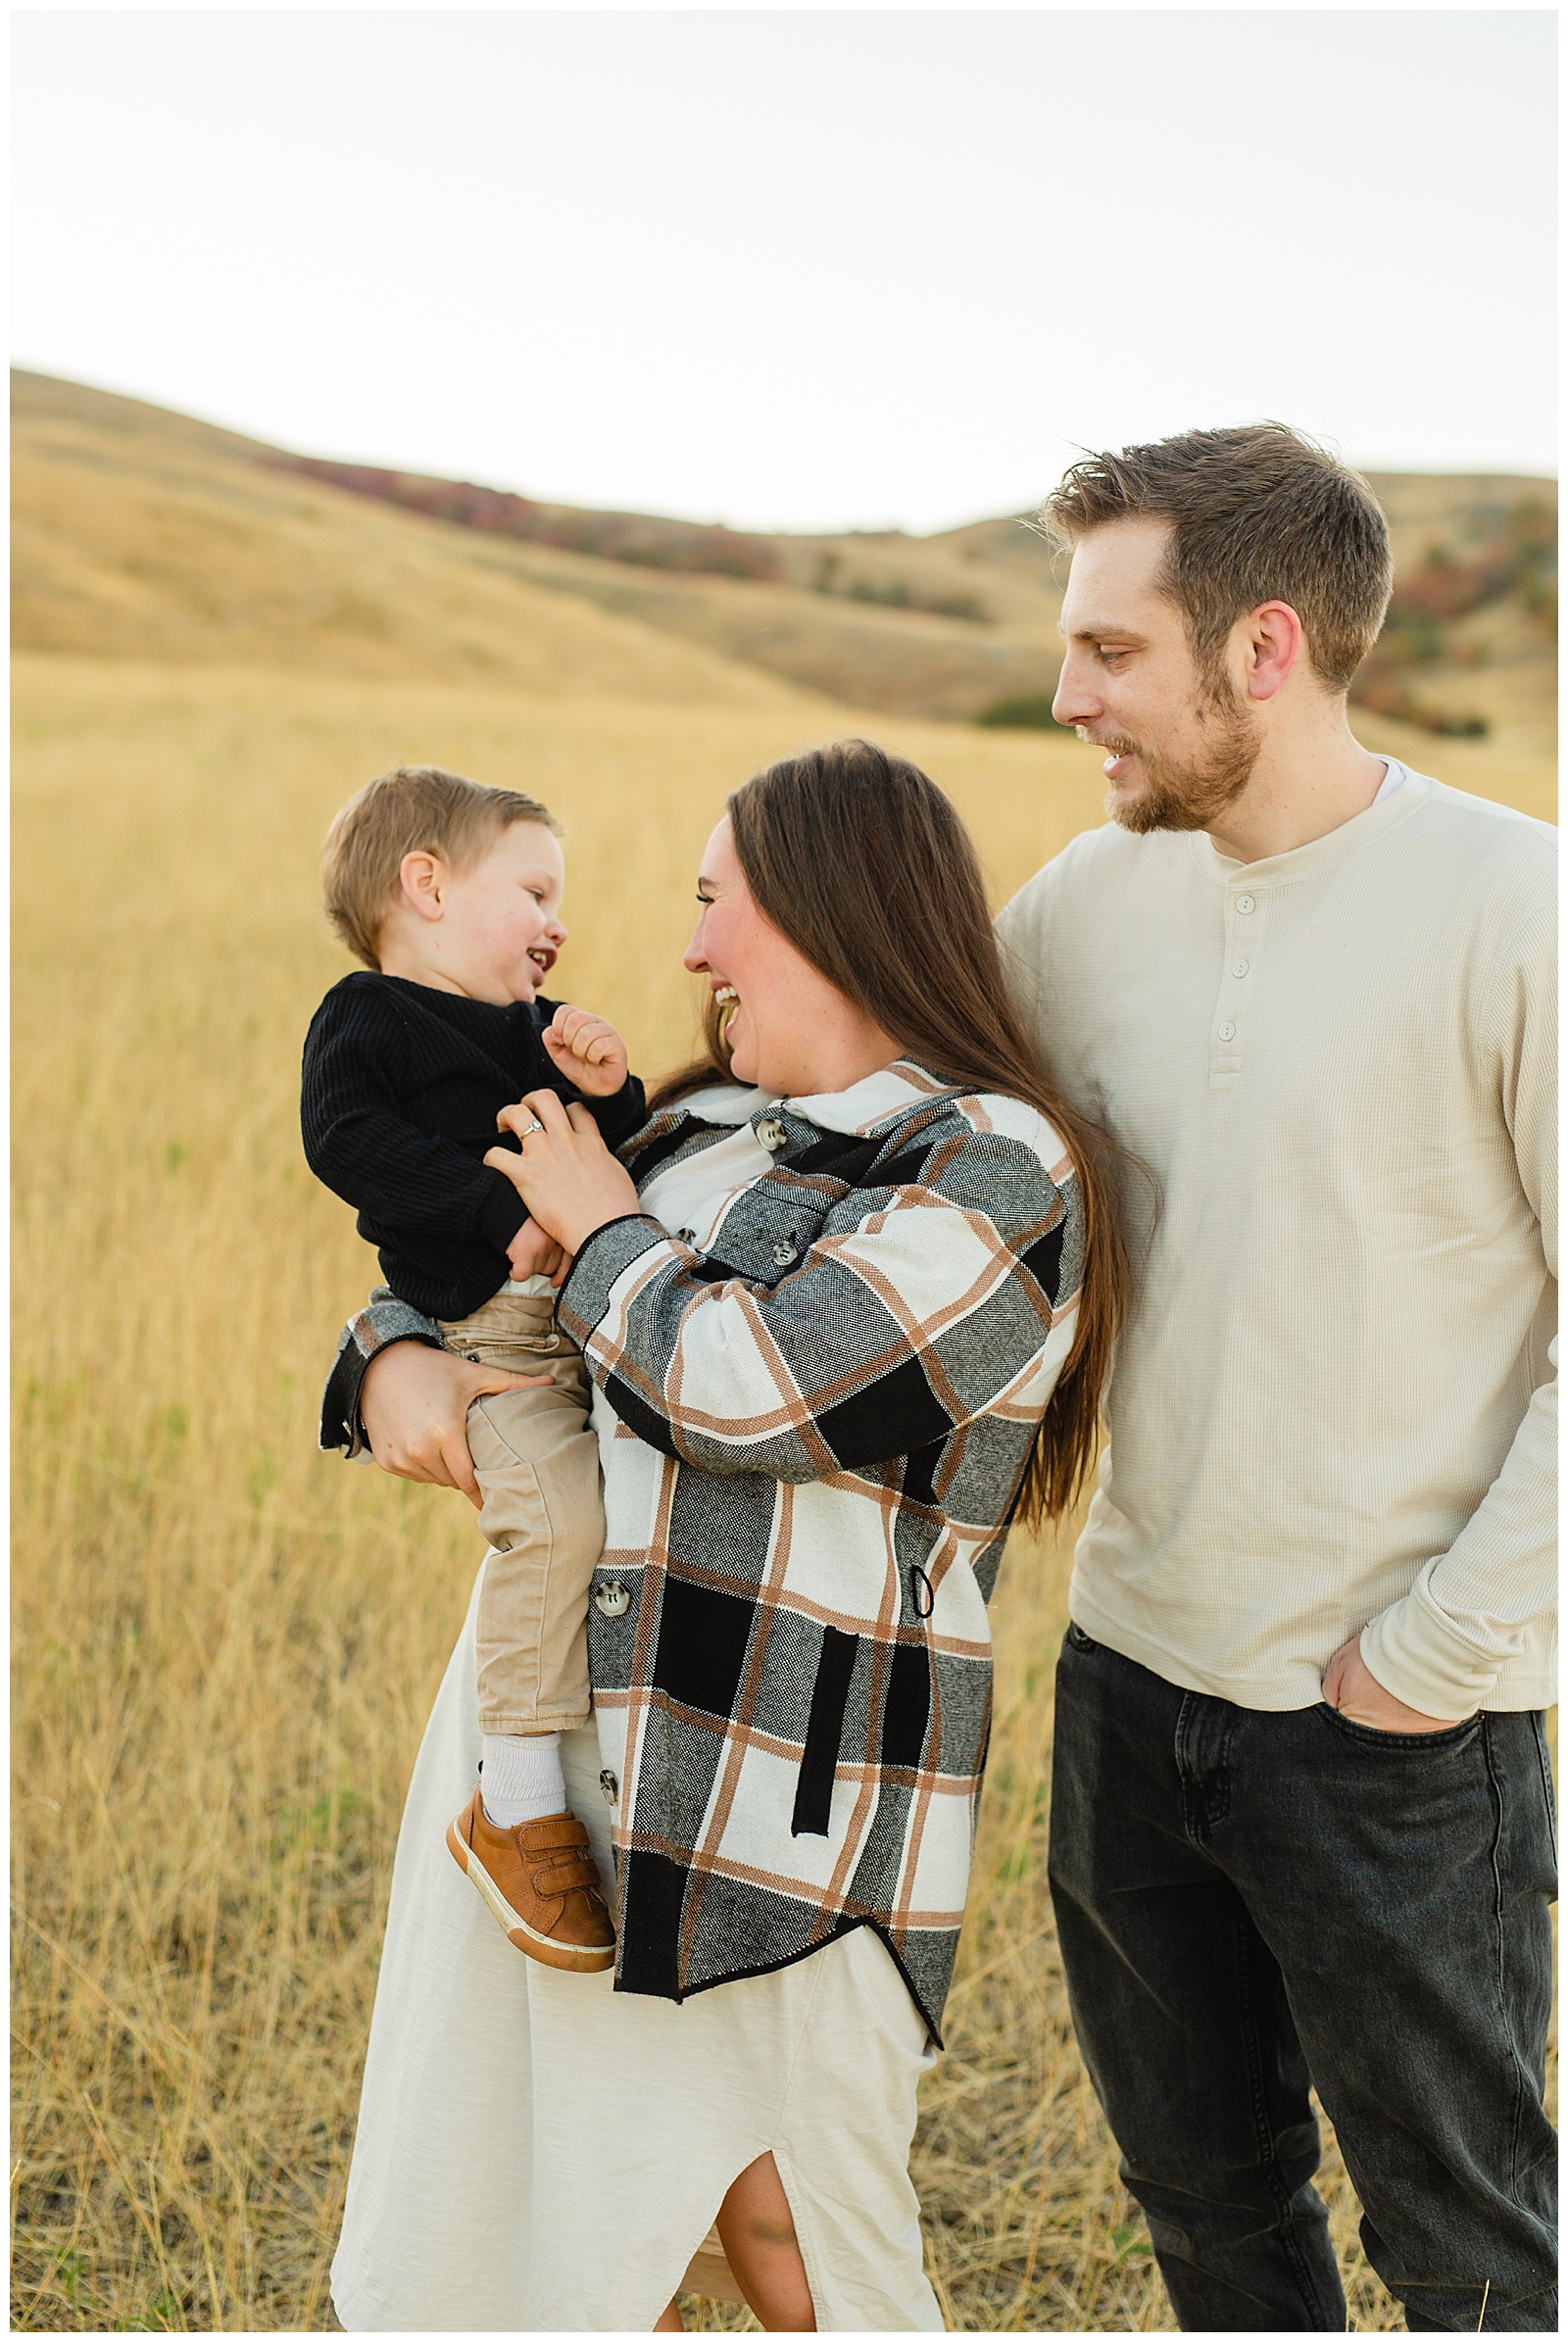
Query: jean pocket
[(1538, 1724), (1370, 1736)]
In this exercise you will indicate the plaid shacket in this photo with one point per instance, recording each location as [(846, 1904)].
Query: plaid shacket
[(826, 1397)]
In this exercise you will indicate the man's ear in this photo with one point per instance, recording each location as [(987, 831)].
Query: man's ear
[(420, 878), (1275, 645)]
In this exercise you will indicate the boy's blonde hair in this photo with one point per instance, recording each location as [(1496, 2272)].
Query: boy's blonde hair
[(415, 808)]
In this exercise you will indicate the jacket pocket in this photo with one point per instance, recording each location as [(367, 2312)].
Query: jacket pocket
[(907, 1707), (813, 1791)]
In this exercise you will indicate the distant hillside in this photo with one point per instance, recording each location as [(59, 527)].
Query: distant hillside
[(139, 530), (138, 533), (1469, 647), (641, 538)]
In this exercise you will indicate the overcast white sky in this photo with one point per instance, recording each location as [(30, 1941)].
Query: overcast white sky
[(814, 269)]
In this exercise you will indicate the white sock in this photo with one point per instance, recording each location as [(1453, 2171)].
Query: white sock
[(523, 1780)]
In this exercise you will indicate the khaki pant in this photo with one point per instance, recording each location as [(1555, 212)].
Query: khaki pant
[(537, 1465)]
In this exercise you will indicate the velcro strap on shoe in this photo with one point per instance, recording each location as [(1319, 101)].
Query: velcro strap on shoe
[(563, 1830), (559, 1877)]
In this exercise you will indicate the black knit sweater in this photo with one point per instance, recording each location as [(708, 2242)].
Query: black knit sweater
[(401, 1088)]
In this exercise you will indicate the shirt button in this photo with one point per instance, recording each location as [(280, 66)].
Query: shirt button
[(685, 1236), (1240, 968), (612, 1600), (1227, 1032), (609, 1786), (771, 1133), (1245, 903)]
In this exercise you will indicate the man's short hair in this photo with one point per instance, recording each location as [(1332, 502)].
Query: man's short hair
[(415, 808), (1258, 513)]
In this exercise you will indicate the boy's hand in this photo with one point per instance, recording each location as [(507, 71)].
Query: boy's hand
[(587, 1050), (533, 1253)]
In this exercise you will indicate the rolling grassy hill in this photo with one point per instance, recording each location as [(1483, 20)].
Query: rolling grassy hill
[(139, 533), (143, 533)]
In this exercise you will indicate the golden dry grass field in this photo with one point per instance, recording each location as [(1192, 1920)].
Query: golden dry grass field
[(226, 1642)]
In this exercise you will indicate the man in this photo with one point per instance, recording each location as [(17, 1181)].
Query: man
[(1301, 1828)]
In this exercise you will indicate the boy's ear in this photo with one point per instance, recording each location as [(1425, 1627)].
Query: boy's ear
[(420, 878)]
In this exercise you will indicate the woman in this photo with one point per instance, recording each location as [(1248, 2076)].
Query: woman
[(846, 1303)]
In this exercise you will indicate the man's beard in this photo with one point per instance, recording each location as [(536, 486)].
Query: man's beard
[(1192, 795)]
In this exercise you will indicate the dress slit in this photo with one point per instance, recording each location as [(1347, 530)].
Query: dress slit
[(516, 2122)]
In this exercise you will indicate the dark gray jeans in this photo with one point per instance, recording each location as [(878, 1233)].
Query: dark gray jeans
[(1250, 1903)]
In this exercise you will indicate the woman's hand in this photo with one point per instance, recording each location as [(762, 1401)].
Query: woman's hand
[(566, 1173), (413, 1403)]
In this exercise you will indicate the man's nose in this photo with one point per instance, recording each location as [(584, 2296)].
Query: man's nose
[(1074, 702)]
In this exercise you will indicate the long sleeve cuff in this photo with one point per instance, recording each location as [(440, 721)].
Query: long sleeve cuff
[(601, 1263), (382, 1321), (1422, 1655)]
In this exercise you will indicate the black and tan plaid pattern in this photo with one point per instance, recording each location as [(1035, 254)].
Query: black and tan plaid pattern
[(384, 1320), (827, 1397)]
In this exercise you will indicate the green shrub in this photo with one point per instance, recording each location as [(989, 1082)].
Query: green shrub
[(1029, 711)]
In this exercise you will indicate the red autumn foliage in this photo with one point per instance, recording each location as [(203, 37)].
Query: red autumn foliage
[(649, 543)]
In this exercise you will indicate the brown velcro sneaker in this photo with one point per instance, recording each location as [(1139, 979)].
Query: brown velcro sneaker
[(541, 1885)]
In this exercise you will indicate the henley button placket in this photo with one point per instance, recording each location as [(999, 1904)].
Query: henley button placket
[(1225, 1063)]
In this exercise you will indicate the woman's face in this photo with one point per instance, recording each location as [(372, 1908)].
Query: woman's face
[(790, 1031)]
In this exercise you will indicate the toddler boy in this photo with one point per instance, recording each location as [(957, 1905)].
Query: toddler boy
[(451, 894)]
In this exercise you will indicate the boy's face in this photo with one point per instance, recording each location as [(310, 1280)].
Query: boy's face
[(499, 924)]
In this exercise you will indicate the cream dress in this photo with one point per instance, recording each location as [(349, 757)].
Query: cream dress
[(538, 2153)]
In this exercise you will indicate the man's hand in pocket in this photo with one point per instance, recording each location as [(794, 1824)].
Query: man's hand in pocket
[(1349, 1686)]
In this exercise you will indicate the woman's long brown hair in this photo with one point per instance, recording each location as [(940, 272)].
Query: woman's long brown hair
[(866, 867)]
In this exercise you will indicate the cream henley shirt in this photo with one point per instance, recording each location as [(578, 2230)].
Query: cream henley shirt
[(1331, 1405)]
